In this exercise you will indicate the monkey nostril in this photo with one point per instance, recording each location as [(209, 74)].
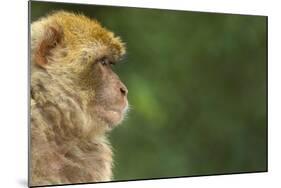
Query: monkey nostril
[(123, 91)]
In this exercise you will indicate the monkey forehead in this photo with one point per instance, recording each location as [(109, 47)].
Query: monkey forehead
[(80, 30)]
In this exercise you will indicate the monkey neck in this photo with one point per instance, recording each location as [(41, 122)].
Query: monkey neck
[(64, 134)]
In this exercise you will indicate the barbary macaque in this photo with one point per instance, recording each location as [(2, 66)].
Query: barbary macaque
[(76, 98)]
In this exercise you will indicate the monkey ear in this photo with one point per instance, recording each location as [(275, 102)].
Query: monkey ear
[(52, 38)]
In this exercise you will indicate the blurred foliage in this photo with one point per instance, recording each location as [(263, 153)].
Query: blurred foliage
[(197, 88)]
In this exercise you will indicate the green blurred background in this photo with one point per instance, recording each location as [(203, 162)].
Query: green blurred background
[(197, 88)]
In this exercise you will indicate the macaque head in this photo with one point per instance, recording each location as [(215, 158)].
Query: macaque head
[(79, 54)]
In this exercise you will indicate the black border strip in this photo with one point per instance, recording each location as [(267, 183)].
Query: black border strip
[(28, 92)]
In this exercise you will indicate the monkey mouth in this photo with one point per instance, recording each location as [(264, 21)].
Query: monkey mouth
[(112, 115), (122, 109)]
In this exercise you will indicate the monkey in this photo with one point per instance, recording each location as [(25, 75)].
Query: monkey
[(75, 99)]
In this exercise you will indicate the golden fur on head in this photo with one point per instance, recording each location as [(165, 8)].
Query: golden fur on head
[(72, 97), (78, 32)]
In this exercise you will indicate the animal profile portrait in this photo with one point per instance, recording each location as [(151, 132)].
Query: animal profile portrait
[(76, 99), (122, 93)]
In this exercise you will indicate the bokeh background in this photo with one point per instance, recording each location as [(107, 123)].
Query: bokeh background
[(197, 88)]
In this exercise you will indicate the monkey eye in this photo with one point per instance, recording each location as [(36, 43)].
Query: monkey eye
[(105, 62)]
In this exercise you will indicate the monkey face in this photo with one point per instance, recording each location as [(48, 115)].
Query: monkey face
[(110, 101), (98, 86)]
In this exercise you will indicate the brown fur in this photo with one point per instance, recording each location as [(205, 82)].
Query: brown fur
[(75, 99)]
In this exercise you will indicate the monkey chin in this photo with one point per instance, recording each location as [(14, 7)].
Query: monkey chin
[(112, 117)]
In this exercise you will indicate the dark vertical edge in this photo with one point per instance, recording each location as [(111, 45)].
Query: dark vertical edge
[(267, 93), (28, 91)]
